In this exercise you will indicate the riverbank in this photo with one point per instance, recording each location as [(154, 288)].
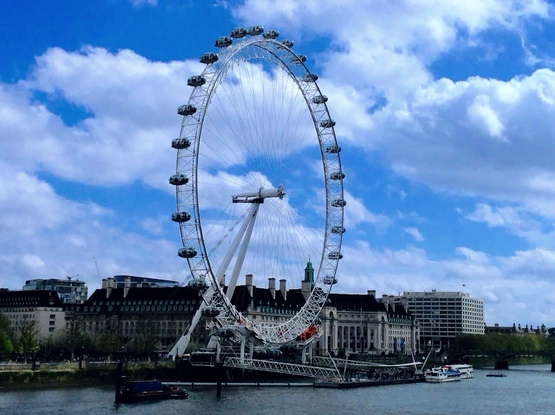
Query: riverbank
[(71, 374), (19, 376)]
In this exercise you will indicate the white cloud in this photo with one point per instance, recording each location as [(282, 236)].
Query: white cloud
[(133, 102), (506, 216), (481, 114), (139, 3), (502, 282), (356, 213), (415, 233)]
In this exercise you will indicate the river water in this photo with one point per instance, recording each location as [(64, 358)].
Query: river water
[(525, 390)]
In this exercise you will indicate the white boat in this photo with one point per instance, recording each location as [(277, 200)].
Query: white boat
[(442, 374), (467, 371)]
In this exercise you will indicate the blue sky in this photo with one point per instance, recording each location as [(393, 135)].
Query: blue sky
[(444, 113)]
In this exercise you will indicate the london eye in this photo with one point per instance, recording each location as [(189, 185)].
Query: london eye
[(259, 181)]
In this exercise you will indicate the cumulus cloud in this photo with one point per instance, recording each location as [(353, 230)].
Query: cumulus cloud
[(357, 213), (138, 3), (503, 283), (415, 233), (132, 101), (124, 136)]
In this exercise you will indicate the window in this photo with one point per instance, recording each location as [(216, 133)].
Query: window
[(52, 316)]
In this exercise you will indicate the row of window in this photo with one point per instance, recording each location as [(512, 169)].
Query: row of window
[(145, 302)]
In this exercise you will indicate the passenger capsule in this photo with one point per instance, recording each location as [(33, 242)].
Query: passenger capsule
[(333, 149), (338, 202), (320, 99), (180, 143), (288, 43), (196, 80), (187, 109), (335, 255), (208, 58), (238, 33), (337, 229), (255, 30), (298, 59), (270, 34), (223, 42), (179, 179), (310, 77), (337, 176), (198, 283), (187, 252), (181, 217), (327, 123), (330, 280)]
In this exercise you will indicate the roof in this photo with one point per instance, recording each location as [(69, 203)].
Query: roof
[(29, 298), (263, 297), (145, 293)]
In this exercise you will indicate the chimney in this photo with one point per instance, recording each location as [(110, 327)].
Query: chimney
[(104, 283), (248, 283), (283, 289), (405, 302), (385, 301), (372, 293), (110, 283), (272, 286), (126, 286)]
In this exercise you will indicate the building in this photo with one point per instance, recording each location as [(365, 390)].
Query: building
[(42, 306), (69, 291), (496, 328), (128, 312), (138, 282), (442, 315), (359, 324), (350, 324)]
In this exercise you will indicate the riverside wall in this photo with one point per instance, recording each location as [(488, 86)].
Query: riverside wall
[(22, 376)]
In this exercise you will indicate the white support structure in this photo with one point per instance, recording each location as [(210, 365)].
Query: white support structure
[(184, 340), (353, 364), (282, 367)]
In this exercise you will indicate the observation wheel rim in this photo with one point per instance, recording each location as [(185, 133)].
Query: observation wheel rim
[(214, 73)]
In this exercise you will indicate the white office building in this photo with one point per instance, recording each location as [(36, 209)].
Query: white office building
[(443, 315)]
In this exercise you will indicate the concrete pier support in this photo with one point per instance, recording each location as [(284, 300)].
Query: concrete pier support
[(501, 365)]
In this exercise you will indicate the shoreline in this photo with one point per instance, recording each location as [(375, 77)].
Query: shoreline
[(104, 374)]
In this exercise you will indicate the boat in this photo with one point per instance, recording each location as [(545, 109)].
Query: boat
[(467, 371), (361, 383), (442, 374), (496, 375), (150, 390)]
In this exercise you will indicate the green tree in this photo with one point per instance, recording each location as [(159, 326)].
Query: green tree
[(110, 341), (74, 334), (6, 336), (28, 337), (147, 337)]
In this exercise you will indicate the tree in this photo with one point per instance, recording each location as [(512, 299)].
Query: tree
[(74, 335), (110, 341), (147, 337), (27, 337), (6, 336)]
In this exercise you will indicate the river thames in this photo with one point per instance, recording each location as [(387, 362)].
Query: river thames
[(525, 390)]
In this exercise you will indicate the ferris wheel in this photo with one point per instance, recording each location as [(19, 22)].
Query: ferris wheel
[(259, 183)]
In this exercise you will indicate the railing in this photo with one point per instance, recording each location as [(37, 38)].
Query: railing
[(282, 367)]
